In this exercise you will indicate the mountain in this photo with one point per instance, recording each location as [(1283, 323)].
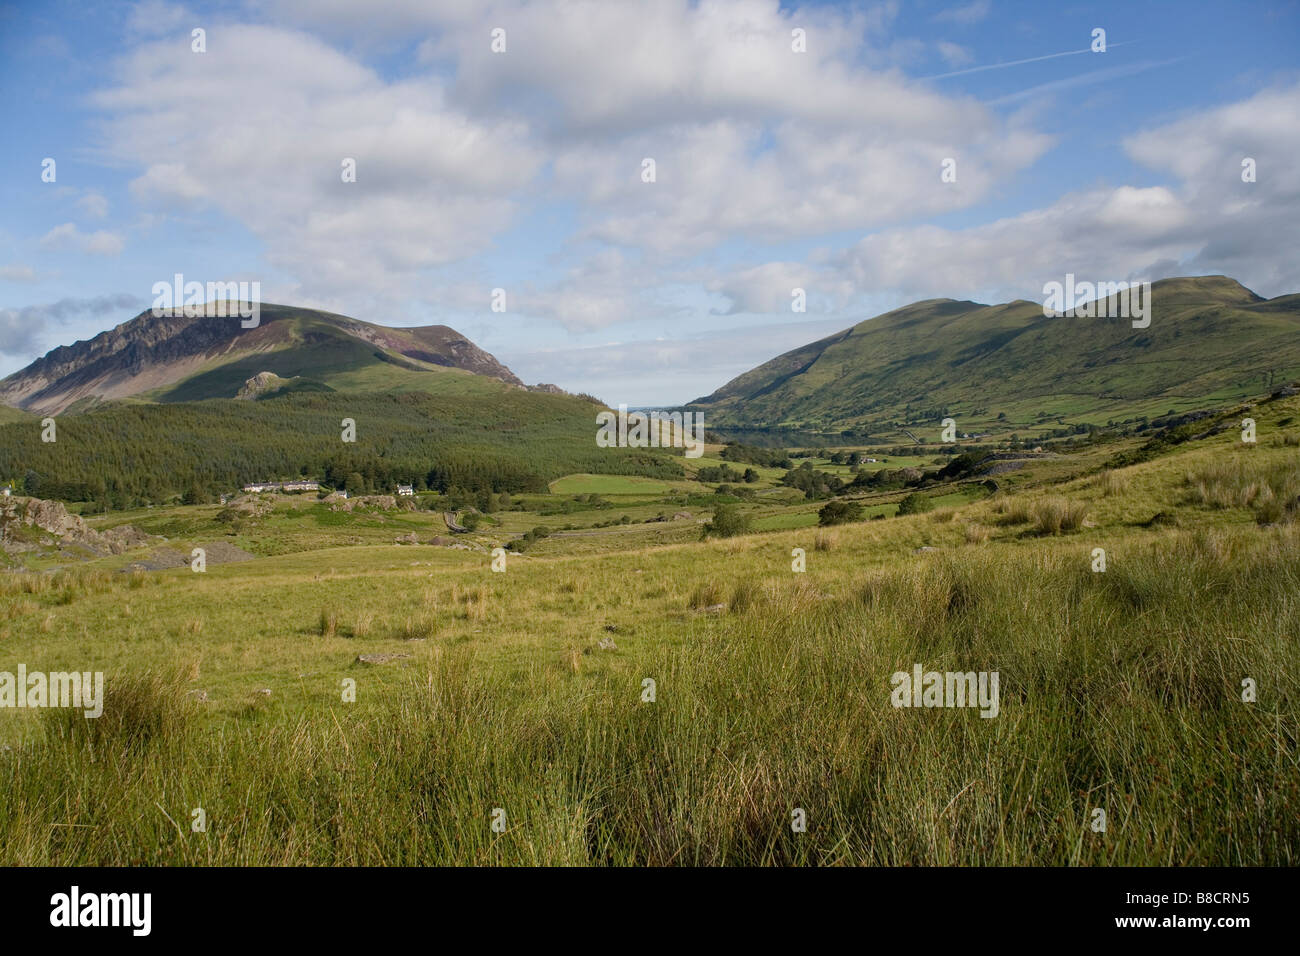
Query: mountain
[(1209, 338), (175, 358)]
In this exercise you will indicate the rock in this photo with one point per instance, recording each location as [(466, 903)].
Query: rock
[(223, 552), (607, 644), (261, 383), (68, 529), (411, 538), (380, 502), (714, 609), (925, 548), (200, 696), (262, 692)]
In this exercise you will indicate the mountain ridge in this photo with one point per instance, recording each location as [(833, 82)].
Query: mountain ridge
[(174, 357), (1209, 336)]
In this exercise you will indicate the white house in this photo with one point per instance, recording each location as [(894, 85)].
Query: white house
[(283, 486), (406, 491)]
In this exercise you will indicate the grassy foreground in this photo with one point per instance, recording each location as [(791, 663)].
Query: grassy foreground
[(1119, 691)]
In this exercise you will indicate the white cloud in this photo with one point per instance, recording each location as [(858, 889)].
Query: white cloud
[(154, 18), (964, 14), (17, 272), (68, 237), (1210, 222), (769, 288), (93, 204), (715, 94), (954, 54), (433, 185)]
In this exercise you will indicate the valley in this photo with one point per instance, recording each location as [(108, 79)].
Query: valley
[(456, 604), (350, 682)]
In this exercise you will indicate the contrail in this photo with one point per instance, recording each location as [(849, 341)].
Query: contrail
[(1032, 59), (1096, 76)]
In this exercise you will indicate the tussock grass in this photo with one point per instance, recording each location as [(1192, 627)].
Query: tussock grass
[(1058, 515), (138, 710), (706, 594), (1112, 483), (747, 594), (472, 601), (1014, 511), (1269, 488), (417, 628), (327, 624)]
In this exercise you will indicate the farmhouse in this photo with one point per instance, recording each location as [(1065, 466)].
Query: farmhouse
[(302, 486), (406, 491)]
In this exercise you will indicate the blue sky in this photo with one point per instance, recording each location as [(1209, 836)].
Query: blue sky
[(521, 169)]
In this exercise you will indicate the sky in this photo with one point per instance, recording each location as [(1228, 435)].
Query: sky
[(868, 154)]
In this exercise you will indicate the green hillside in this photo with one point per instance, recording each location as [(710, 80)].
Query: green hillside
[(319, 352), (1210, 339), (127, 454)]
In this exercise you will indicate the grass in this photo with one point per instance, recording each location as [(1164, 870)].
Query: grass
[(1271, 489), (522, 690), (1058, 516), (1103, 706), (607, 485)]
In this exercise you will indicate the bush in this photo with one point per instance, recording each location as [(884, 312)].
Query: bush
[(530, 538), (727, 521), (915, 504), (839, 512)]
